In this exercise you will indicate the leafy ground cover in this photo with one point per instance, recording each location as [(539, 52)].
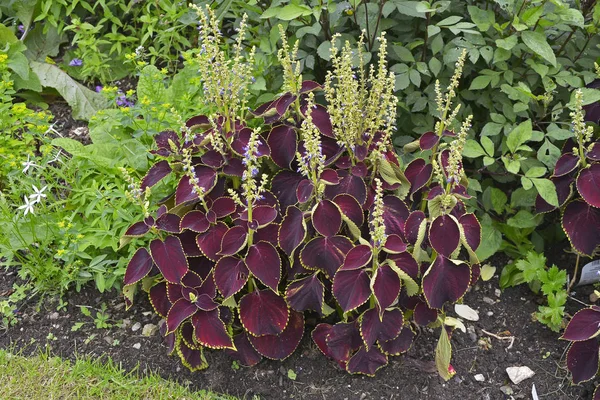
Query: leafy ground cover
[(49, 377)]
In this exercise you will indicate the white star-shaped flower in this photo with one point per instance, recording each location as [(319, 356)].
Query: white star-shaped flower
[(28, 206), (28, 164), (37, 195)]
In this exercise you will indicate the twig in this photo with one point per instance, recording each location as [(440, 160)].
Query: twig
[(502, 338)]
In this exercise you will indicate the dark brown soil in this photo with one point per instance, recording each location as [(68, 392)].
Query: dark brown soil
[(409, 377)]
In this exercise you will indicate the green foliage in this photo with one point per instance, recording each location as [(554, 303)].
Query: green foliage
[(550, 282)]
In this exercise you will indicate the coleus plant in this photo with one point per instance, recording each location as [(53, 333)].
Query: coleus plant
[(300, 207)]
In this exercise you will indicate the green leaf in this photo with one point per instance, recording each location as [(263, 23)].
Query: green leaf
[(547, 190), (443, 353), (555, 280), (151, 85), (548, 154), (487, 272), (531, 266), (84, 102), (293, 11), (291, 374), (524, 219), (435, 66), (519, 135), (480, 82), (42, 41), (484, 19), (488, 145), (6, 36), (415, 77), (507, 43), (403, 53), (537, 43), (535, 172), (473, 149), (323, 50), (491, 239)]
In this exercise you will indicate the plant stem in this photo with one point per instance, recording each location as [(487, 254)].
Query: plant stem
[(424, 53), (574, 274)]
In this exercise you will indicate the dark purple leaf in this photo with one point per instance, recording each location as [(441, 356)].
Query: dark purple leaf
[(264, 263), (207, 178), (351, 288), (357, 257), (343, 339), (309, 86), (588, 184), (399, 345), (268, 234), (306, 294), (582, 360), (395, 213), (223, 206), (231, 274), (234, 167), (428, 140), (566, 164), (320, 117), (190, 247), (169, 223), (240, 143), (367, 362), (326, 218), (192, 358), (264, 215), (244, 353), (349, 184), (418, 173), (319, 336), (411, 227), (280, 347), (386, 287), (192, 280), (159, 300), (444, 235), (263, 313), (584, 325), (284, 186), (374, 328), (594, 153), (350, 207), (292, 230), (138, 229), (472, 230), (330, 177), (581, 223), (407, 263), (209, 242), (210, 331), (162, 142), (394, 245), (304, 190), (169, 258), (195, 221), (213, 159), (284, 103), (423, 315), (139, 266), (284, 144), (233, 240), (325, 254), (445, 281), (181, 310), (154, 175)]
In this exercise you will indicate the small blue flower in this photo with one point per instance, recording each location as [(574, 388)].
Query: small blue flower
[(76, 62)]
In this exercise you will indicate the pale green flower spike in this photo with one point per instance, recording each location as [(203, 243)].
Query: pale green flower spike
[(377, 224), (312, 163), (292, 78)]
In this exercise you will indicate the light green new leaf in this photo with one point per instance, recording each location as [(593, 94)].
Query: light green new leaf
[(84, 102), (473, 149), (547, 190), (443, 353), (491, 239), (537, 42), (293, 11), (522, 133), (480, 82)]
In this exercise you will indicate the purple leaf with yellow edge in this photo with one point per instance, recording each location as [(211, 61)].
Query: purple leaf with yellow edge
[(207, 178), (326, 218), (444, 235), (588, 184), (304, 191), (412, 224), (168, 338), (472, 230), (155, 174), (320, 117), (240, 143), (385, 287), (580, 222), (263, 312), (181, 310), (329, 177), (582, 360), (428, 140), (594, 152), (186, 331), (174, 292), (231, 274), (357, 257), (234, 167), (138, 229), (223, 206), (325, 254), (445, 281), (360, 152), (162, 142), (283, 142), (193, 359), (139, 266), (190, 247), (374, 328), (351, 288), (319, 336), (264, 215), (395, 213), (566, 164), (195, 221), (280, 347), (268, 233), (407, 263), (210, 331), (306, 294), (584, 325), (244, 353), (342, 340), (349, 184), (394, 244), (331, 150), (292, 230), (264, 263), (213, 159), (367, 362), (168, 223), (233, 240), (350, 207), (209, 242), (169, 258), (423, 315), (400, 344), (192, 280), (418, 173), (284, 103), (159, 300)]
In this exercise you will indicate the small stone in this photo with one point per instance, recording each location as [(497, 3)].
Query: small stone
[(507, 390), (593, 297), (147, 313), (466, 312), (489, 313), (519, 374), (497, 292), (479, 378), (137, 346), (489, 301), (136, 326), (149, 330), (108, 340), (54, 315)]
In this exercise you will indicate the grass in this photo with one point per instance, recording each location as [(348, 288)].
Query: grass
[(49, 377)]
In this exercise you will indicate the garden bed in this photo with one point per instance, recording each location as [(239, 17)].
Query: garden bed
[(412, 376)]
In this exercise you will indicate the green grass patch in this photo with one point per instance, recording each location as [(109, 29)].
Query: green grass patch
[(49, 377)]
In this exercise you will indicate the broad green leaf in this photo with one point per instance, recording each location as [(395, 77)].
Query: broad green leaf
[(44, 40), (6, 37), (589, 96), (547, 190), (507, 43), (409, 8), (484, 19), (519, 135), (293, 11), (480, 82), (524, 219), (487, 145), (435, 66), (537, 42), (487, 272), (403, 53), (473, 149), (323, 50), (491, 239), (151, 85), (548, 154), (84, 102), (443, 353), (535, 172)]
